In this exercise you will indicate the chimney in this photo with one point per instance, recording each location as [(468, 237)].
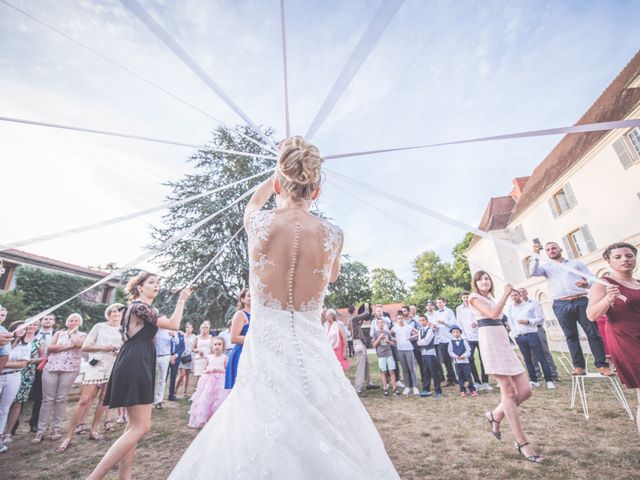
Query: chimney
[(518, 186)]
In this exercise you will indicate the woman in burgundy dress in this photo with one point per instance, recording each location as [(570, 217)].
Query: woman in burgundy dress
[(621, 303)]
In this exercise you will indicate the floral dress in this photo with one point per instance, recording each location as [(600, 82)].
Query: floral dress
[(28, 373)]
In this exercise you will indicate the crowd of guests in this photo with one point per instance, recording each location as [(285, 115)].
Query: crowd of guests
[(418, 353)]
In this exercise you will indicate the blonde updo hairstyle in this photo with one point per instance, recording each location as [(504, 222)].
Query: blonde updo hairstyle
[(132, 287), (299, 168)]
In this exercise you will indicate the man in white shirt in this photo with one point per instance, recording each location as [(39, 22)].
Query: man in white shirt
[(569, 292), (524, 319), (163, 358), (467, 322), (444, 319), (542, 334)]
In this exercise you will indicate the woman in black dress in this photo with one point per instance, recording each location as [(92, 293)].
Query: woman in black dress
[(133, 377)]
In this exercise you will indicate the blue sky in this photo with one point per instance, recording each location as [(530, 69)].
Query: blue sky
[(442, 71)]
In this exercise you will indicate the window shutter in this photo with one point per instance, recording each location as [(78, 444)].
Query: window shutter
[(624, 155), (586, 233), (567, 247), (552, 206), (571, 198)]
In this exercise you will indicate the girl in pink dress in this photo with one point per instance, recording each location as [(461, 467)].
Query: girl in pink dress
[(210, 392), (337, 337), (500, 360)]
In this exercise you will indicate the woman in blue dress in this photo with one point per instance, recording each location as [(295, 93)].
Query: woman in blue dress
[(239, 329)]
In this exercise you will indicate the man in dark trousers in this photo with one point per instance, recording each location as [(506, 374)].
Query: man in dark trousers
[(177, 349)]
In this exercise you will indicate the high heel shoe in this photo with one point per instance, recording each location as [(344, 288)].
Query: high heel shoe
[(63, 446), (531, 458), (489, 417), (38, 438)]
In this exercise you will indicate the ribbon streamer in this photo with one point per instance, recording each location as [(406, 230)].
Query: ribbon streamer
[(133, 137), (588, 127), (215, 257), (463, 226), (284, 68), (163, 36), (122, 218), (137, 75), (144, 257), (410, 227), (369, 39)]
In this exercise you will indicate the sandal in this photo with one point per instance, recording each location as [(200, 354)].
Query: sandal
[(81, 429), (108, 426), (491, 420), (63, 446), (532, 458), (95, 436), (38, 438), (55, 435)]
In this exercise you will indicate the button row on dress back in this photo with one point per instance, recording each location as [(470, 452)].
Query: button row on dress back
[(292, 268)]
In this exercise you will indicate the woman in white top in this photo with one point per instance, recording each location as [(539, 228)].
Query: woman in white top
[(19, 358), (500, 360), (102, 344), (201, 348)]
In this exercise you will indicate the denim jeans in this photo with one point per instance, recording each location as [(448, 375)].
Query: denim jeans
[(431, 372), (443, 355), (529, 344), (571, 312), (464, 375)]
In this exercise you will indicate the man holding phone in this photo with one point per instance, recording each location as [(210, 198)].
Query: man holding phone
[(569, 293)]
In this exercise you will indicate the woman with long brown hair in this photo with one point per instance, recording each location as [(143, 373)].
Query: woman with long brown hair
[(500, 360), (620, 301), (133, 376), (239, 329)]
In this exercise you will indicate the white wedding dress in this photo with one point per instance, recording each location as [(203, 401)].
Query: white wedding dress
[(292, 413)]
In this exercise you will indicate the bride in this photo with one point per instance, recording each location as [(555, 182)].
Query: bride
[(292, 413)]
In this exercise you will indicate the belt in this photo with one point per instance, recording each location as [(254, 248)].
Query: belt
[(570, 298), (9, 373), (489, 322)]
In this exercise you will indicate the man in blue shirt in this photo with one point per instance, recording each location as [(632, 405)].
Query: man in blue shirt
[(569, 292), (177, 349)]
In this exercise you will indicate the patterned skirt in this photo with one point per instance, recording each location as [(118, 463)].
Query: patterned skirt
[(498, 356)]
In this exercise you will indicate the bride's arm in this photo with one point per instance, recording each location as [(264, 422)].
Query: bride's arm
[(259, 198), (335, 268)]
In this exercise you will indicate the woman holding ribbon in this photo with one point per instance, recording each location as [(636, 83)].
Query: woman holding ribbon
[(500, 360), (133, 376)]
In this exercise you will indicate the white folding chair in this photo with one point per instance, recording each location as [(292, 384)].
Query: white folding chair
[(578, 385)]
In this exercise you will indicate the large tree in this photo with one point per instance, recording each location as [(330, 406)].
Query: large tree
[(218, 287), (386, 286), (352, 286), (435, 278)]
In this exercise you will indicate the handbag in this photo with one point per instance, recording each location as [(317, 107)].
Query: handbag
[(41, 365), (186, 359)]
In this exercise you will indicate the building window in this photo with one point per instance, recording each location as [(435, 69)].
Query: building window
[(517, 234), (579, 242), (634, 139), (627, 148), (562, 201)]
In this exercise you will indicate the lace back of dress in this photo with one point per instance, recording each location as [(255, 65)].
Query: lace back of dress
[(290, 256)]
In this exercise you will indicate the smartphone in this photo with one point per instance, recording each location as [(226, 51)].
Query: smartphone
[(536, 241)]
